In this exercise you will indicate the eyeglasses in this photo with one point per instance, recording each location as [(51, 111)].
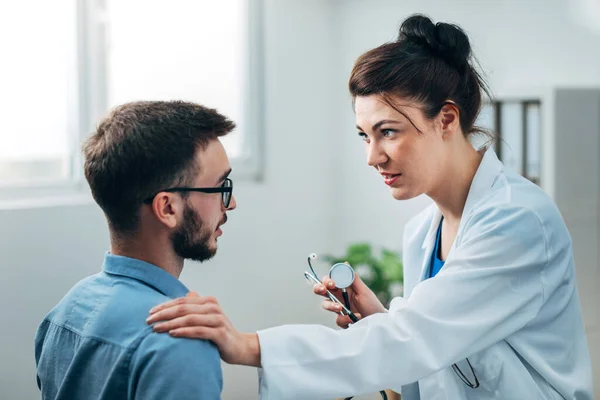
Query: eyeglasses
[(226, 190), (467, 381)]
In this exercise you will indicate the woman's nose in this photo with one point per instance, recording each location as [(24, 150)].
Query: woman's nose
[(375, 155)]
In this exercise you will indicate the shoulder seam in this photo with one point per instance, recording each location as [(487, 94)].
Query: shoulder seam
[(98, 339)]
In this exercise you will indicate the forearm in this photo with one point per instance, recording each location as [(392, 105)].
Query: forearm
[(251, 354), (353, 363)]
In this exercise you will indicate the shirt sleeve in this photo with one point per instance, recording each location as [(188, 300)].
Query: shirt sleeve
[(165, 368), (489, 288)]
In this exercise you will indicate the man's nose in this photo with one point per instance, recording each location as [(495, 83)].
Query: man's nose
[(232, 204)]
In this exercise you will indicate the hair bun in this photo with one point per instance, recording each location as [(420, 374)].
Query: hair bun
[(444, 40)]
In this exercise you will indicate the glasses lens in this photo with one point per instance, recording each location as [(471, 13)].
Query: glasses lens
[(227, 195)]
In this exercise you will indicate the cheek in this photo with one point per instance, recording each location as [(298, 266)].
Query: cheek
[(406, 151), (209, 212), (416, 158)]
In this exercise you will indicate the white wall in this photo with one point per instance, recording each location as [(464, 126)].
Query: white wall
[(318, 194)]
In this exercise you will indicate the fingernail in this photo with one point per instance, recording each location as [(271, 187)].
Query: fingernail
[(157, 327), (152, 311), (338, 308), (330, 284)]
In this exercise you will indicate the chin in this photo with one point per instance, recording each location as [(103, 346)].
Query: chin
[(402, 194)]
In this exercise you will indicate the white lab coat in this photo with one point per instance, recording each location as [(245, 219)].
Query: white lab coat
[(506, 298)]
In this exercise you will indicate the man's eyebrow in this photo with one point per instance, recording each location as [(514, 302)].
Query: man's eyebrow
[(224, 176)]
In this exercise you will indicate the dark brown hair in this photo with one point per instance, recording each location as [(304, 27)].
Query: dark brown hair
[(143, 147), (428, 64)]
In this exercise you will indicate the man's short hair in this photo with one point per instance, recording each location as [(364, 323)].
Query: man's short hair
[(142, 147)]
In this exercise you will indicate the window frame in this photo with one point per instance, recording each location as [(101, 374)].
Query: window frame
[(89, 102)]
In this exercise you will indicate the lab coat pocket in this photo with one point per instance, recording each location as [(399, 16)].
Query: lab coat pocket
[(487, 367)]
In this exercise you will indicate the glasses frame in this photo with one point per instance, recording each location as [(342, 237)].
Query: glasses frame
[(226, 191), (463, 378)]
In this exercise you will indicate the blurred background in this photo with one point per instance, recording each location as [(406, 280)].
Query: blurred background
[(280, 69)]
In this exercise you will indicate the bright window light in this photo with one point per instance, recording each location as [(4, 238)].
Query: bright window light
[(38, 78), (181, 49), (66, 63)]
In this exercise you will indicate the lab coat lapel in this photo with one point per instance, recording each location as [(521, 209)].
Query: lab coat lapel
[(484, 178), (429, 243)]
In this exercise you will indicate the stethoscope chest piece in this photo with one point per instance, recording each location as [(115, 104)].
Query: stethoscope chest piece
[(342, 274)]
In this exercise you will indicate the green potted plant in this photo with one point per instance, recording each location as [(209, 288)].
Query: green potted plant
[(381, 271)]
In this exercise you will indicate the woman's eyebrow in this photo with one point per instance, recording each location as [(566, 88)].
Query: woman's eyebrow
[(378, 124)]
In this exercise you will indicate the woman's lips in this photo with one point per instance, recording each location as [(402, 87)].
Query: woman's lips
[(389, 179)]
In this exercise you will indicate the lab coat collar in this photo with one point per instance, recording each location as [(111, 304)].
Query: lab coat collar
[(484, 178)]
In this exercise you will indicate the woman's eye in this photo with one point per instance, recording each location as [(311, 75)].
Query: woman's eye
[(363, 136), (387, 132)]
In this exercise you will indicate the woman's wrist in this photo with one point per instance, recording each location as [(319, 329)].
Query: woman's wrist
[(252, 350)]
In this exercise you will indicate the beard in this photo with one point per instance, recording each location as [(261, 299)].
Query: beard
[(192, 240)]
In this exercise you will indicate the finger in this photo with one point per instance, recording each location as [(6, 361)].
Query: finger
[(331, 306), (343, 321), (358, 286), (192, 294), (328, 282), (181, 310), (195, 332), (189, 299), (319, 289), (194, 320)]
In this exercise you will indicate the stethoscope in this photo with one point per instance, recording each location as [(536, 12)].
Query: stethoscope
[(343, 276)]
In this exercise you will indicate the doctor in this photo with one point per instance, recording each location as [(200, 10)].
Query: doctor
[(491, 309)]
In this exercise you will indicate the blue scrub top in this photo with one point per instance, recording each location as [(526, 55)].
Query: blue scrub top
[(436, 263)]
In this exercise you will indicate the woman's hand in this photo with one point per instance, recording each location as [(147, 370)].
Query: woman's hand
[(363, 301), (197, 317)]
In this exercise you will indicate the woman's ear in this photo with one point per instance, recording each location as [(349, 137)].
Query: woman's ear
[(449, 119)]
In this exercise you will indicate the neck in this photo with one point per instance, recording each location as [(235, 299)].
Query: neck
[(153, 250), (451, 192)]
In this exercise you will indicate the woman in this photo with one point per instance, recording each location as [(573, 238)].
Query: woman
[(491, 309)]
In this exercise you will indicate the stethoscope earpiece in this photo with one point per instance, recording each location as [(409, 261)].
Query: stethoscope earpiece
[(343, 276)]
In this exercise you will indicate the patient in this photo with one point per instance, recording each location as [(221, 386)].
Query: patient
[(160, 174)]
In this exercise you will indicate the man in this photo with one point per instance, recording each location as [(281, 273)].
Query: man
[(160, 174)]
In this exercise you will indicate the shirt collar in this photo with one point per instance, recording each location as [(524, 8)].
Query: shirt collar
[(145, 272)]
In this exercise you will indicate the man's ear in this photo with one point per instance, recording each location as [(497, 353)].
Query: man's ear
[(165, 207), (449, 118)]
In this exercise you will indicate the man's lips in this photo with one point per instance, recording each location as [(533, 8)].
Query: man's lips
[(223, 221)]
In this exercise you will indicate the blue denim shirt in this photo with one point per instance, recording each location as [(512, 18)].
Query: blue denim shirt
[(95, 344)]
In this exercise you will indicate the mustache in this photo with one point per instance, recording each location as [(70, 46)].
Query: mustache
[(223, 220)]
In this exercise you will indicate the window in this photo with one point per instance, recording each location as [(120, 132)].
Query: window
[(518, 126), (73, 60), (38, 100)]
